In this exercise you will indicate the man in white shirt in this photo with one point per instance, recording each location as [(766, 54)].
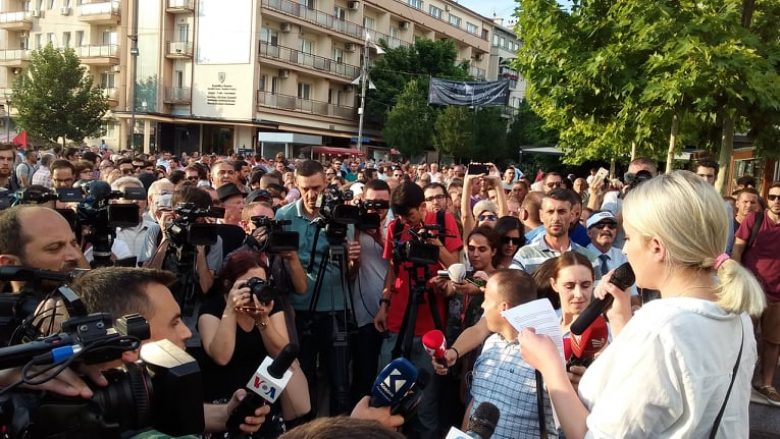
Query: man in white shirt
[(602, 230)]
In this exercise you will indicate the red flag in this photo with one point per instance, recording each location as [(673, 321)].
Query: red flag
[(20, 139), (539, 175)]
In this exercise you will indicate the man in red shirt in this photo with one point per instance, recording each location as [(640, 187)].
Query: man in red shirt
[(763, 259), (408, 204)]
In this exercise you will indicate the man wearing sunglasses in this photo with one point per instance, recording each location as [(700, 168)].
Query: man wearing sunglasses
[(602, 230)]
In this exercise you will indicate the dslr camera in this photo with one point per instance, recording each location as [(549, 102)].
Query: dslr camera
[(185, 230), (262, 290)]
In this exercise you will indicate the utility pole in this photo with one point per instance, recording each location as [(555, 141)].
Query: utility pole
[(134, 60)]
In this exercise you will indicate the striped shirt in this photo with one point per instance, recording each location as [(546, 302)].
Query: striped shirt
[(529, 257)]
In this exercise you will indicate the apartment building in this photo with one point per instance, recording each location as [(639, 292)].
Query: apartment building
[(214, 75), (503, 51)]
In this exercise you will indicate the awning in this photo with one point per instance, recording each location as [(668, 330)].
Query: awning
[(332, 150)]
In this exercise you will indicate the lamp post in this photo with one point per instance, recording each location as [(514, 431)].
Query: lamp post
[(134, 59), (364, 84)]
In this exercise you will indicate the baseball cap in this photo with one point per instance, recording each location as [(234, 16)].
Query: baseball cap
[(228, 190), (604, 216), (484, 205)]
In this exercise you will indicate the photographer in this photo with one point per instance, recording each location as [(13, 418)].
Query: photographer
[(408, 204), (146, 292), (320, 324)]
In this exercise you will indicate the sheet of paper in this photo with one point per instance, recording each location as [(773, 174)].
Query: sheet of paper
[(539, 315)]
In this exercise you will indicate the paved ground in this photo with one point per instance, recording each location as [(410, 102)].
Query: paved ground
[(765, 419)]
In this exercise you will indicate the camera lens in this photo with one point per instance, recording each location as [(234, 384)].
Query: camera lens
[(126, 400)]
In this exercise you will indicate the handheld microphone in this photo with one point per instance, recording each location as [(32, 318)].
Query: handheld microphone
[(482, 423), (623, 277), (435, 345), (267, 383), (50, 350), (393, 382), (585, 347)]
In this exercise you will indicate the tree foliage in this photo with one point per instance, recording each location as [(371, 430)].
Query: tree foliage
[(408, 126), (55, 97), (454, 135), (611, 73)]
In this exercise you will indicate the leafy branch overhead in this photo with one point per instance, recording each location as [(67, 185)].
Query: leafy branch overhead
[(55, 97)]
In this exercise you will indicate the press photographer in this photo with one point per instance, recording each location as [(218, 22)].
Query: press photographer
[(416, 246), (321, 322)]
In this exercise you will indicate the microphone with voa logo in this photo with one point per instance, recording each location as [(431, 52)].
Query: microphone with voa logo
[(623, 277), (266, 385), (436, 346), (482, 423), (585, 347)]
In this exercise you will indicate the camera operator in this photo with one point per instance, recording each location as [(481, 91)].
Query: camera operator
[(408, 204), (320, 329), (146, 292)]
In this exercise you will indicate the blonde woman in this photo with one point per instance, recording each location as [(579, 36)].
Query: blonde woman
[(668, 371)]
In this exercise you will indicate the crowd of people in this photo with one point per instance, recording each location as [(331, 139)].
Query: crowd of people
[(354, 297)]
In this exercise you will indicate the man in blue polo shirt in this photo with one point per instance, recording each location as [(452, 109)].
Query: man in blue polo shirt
[(320, 324)]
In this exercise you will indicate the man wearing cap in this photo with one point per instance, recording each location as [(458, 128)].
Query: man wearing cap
[(556, 215), (233, 201)]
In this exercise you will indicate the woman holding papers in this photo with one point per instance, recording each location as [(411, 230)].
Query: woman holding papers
[(668, 371)]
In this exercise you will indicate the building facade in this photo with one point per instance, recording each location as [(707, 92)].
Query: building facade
[(214, 76), (504, 45)]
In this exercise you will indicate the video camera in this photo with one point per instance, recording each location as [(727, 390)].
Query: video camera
[(276, 239), (163, 391), (336, 214), (185, 230), (634, 180), (417, 250)]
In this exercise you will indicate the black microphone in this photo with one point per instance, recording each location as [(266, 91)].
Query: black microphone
[(26, 274), (482, 423), (623, 277)]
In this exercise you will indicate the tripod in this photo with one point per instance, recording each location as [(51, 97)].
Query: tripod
[(186, 282), (417, 280)]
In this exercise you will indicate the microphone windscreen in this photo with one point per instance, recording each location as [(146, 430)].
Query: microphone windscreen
[(623, 277), (283, 361), (457, 272), (433, 339), (484, 420)]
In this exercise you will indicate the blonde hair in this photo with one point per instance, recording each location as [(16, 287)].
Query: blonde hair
[(689, 217)]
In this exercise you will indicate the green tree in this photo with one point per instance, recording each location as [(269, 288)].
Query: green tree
[(454, 132), (408, 126), (55, 97)]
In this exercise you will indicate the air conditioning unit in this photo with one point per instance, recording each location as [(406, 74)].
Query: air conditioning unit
[(286, 27), (65, 10), (36, 13), (350, 47), (353, 5), (447, 8), (405, 25), (284, 74)]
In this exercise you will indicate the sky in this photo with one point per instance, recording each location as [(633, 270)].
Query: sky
[(501, 8)]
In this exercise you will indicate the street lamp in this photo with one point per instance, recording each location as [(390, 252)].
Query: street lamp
[(364, 82)]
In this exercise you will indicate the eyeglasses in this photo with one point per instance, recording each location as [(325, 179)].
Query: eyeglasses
[(127, 171), (515, 241), (488, 217), (192, 178), (555, 184), (330, 173), (436, 198), (600, 226), (771, 197)]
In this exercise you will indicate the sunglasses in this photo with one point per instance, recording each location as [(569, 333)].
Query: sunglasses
[(192, 178), (127, 171), (515, 241), (772, 197), (600, 226), (435, 198), (488, 218)]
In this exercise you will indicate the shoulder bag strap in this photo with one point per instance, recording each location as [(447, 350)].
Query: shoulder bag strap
[(716, 424), (759, 219), (540, 405)]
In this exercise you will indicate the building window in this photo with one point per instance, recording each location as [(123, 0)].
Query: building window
[(434, 12), (455, 20), (261, 82), (306, 46), (495, 40), (24, 43), (51, 4), (337, 54), (274, 84), (340, 13), (38, 41), (79, 38), (184, 32), (304, 91), (417, 4), (179, 82), (471, 28), (51, 39), (106, 80), (109, 37), (269, 36), (368, 22), (66, 39), (308, 3)]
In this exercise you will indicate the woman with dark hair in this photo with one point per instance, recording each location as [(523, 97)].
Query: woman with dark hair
[(242, 326), (511, 236)]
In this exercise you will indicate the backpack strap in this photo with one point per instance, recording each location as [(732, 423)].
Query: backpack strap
[(759, 219)]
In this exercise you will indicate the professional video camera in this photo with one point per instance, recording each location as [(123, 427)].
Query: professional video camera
[(335, 214), (185, 230), (417, 250), (276, 240), (163, 391), (634, 180)]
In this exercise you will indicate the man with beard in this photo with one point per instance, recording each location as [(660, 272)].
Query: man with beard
[(37, 237), (7, 156), (556, 215)]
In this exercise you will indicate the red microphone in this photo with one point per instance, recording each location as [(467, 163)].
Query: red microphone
[(436, 345), (585, 347)]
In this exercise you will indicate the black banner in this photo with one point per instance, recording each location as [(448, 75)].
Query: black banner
[(472, 94)]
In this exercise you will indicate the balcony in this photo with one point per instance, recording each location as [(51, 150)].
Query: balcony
[(14, 57), (179, 49), (318, 63), (318, 18), (180, 6), (16, 20), (100, 13), (178, 95), (111, 94), (107, 55), (392, 42), (293, 103)]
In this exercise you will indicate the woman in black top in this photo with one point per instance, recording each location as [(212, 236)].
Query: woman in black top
[(238, 332)]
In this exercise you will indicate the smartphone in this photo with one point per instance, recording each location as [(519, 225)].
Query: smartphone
[(602, 174), (477, 168)]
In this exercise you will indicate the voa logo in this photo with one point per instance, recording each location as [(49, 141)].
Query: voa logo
[(264, 388)]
